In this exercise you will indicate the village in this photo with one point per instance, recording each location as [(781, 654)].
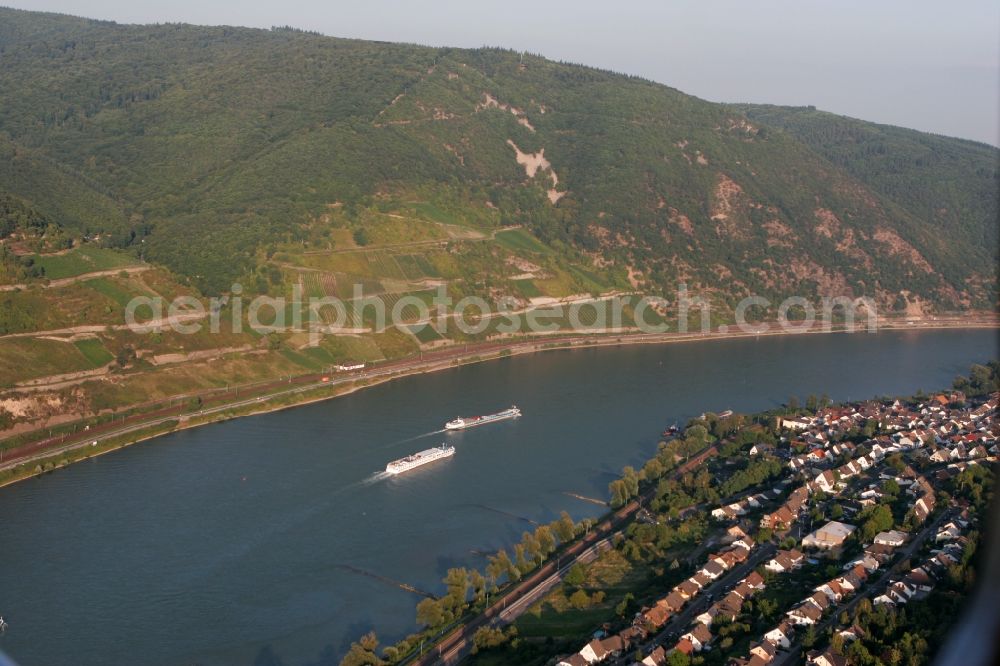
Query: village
[(853, 527)]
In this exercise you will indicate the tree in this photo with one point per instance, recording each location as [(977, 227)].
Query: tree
[(478, 585), (361, 236), (579, 599), (531, 548), (362, 653), (678, 658), (507, 567), (576, 575), (495, 567), (564, 528), (767, 608), (652, 470), (857, 653), (487, 638), (546, 542), (125, 356), (696, 434), (879, 520), (618, 493), (457, 582), (623, 606), (522, 564), (430, 614), (631, 480), (896, 462)]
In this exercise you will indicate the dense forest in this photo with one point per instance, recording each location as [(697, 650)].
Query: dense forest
[(204, 148)]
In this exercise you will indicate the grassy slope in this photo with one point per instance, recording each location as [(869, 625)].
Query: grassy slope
[(224, 140)]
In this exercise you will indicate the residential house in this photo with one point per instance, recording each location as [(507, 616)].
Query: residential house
[(831, 535), (891, 538), (826, 658), (594, 652), (765, 650), (826, 481), (657, 657), (675, 601), (701, 580), (755, 581), (948, 532), (923, 507), (833, 590), (687, 588), (708, 617), (810, 610), (657, 616), (781, 636), (573, 660), (712, 570), (867, 562), (785, 560), (700, 637)]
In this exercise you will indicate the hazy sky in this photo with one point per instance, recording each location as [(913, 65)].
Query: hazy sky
[(929, 65)]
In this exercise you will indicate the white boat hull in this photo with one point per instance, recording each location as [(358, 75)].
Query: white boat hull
[(464, 424)]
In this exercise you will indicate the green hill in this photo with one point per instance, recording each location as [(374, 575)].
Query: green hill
[(223, 152)]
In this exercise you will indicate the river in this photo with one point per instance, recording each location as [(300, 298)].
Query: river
[(227, 544)]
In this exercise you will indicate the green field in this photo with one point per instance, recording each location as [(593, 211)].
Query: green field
[(527, 288), (82, 260), (112, 289), (94, 351), (425, 333), (307, 360), (431, 212), (518, 240), (28, 358)]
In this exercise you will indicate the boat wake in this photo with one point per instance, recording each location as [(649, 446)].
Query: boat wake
[(413, 439), (375, 478)]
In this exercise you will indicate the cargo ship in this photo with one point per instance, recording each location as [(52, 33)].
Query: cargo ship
[(418, 459), (463, 422)]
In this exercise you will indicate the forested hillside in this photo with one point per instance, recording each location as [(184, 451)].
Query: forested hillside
[(212, 150)]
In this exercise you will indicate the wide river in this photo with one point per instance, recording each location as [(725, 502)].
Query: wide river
[(227, 544)]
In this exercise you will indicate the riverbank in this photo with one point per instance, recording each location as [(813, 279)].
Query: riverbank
[(308, 389)]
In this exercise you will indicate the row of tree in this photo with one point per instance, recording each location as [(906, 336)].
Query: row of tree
[(469, 588)]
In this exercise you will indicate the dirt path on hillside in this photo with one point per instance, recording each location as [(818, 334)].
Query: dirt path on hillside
[(62, 282), (424, 243), (73, 333)]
